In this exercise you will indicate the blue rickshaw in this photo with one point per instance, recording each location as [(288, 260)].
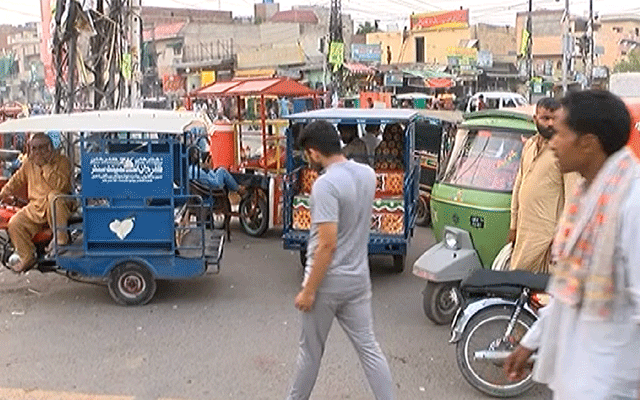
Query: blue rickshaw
[(397, 171), (137, 221)]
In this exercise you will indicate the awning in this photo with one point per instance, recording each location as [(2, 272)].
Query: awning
[(256, 73), (215, 89), (439, 82), (427, 74), (359, 69)]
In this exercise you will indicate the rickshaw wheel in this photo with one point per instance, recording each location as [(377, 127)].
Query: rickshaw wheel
[(254, 215), (440, 301), (423, 217), (398, 263), (131, 284)]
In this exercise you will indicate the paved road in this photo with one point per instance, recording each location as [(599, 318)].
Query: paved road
[(229, 336)]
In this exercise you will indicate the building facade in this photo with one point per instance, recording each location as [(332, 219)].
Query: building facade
[(618, 34)]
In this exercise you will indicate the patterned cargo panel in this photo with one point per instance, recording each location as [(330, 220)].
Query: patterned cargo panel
[(387, 183), (387, 217)]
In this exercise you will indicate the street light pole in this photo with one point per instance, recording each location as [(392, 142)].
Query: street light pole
[(530, 49), (566, 47), (590, 46)]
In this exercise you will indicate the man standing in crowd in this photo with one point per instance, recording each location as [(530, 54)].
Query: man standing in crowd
[(337, 283), (539, 195), (588, 337), (354, 148)]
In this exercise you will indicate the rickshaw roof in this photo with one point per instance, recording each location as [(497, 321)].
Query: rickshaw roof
[(519, 119), (355, 115), (123, 120), (444, 115)]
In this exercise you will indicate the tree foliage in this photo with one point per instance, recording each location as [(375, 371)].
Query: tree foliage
[(631, 63), (367, 27)]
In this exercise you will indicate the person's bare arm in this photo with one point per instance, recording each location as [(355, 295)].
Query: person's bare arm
[(327, 241)]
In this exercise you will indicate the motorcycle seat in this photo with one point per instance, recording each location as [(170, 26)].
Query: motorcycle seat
[(509, 283)]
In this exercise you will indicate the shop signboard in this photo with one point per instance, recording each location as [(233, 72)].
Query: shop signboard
[(462, 56), (366, 53), (485, 59), (440, 19), (393, 79)]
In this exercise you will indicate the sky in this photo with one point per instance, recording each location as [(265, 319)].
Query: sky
[(390, 13)]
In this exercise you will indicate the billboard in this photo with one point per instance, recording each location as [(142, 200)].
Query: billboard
[(366, 53), (440, 19)]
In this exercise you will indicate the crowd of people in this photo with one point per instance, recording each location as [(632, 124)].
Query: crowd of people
[(574, 214)]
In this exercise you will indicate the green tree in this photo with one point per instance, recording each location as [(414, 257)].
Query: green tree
[(631, 64), (367, 27)]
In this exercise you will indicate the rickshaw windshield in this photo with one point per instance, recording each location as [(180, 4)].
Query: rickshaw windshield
[(485, 159)]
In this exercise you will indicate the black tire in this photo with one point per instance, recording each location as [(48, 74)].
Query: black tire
[(441, 301), (482, 333), (423, 215), (398, 264), (254, 222), (131, 284)]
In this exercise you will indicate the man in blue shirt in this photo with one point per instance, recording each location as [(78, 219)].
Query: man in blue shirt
[(217, 178)]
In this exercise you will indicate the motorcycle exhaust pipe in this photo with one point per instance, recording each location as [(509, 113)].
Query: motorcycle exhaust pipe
[(497, 356)]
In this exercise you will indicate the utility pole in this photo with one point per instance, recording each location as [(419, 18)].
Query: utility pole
[(135, 26), (530, 49), (335, 36), (566, 46), (590, 46)]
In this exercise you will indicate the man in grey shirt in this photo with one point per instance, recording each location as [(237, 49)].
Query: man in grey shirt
[(337, 283), (588, 337)]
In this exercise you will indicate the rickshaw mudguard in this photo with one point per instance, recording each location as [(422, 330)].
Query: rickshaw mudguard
[(441, 264)]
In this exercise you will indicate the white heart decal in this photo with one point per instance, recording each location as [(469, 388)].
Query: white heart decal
[(122, 228)]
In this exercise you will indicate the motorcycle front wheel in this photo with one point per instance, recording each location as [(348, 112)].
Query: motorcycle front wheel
[(484, 332)]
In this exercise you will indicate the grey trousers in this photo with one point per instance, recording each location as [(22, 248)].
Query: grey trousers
[(353, 312)]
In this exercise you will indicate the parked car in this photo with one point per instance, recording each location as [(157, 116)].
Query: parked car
[(496, 100)]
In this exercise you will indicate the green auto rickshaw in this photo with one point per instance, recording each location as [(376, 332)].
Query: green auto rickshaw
[(471, 204)]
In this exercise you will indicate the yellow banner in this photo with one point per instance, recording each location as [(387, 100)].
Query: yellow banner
[(462, 52), (207, 77), (524, 44)]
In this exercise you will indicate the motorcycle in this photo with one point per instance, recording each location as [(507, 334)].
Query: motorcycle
[(498, 309)]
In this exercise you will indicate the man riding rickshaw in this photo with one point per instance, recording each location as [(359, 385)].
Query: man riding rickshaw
[(46, 174)]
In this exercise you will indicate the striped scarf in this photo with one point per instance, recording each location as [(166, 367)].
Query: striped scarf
[(583, 249)]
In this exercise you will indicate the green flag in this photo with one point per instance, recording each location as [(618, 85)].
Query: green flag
[(336, 55)]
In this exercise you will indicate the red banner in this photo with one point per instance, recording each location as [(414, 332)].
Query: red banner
[(173, 83), (442, 19)]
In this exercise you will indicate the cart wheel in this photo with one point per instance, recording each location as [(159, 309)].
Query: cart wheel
[(398, 263), (131, 284), (254, 215), (441, 301), (423, 217)]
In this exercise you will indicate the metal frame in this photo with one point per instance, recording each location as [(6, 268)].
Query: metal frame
[(378, 243)]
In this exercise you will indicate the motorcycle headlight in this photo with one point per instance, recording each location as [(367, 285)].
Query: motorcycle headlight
[(451, 240)]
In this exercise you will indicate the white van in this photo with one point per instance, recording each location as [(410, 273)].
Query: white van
[(496, 100)]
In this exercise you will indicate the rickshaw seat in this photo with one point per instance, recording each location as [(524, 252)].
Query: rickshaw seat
[(216, 201), (508, 283)]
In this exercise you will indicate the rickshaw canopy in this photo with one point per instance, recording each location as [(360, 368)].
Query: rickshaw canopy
[(511, 119), (255, 87), (356, 115), (123, 120)]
